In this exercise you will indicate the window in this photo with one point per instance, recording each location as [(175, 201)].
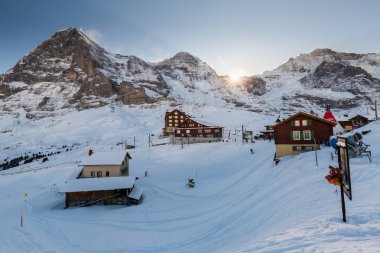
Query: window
[(309, 148), (207, 130), (191, 125), (306, 134), (92, 173), (99, 174), (199, 131), (178, 131), (176, 121), (302, 148), (176, 117), (297, 123), (175, 113), (304, 122), (181, 116), (170, 117), (181, 120), (187, 131), (216, 130), (296, 135), (107, 173)]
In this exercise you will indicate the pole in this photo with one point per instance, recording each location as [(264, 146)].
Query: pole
[(343, 204), (21, 216), (376, 110), (316, 154), (242, 133), (149, 140), (134, 141)]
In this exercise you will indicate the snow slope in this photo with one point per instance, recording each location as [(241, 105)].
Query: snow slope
[(241, 202)]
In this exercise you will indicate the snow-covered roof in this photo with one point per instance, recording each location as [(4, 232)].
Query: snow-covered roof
[(203, 122), (342, 118), (136, 193), (105, 158), (75, 173), (349, 117), (97, 184)]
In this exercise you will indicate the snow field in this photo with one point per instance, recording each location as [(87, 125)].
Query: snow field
[(240, 203)]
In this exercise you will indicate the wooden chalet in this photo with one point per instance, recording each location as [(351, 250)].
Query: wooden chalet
[(102, 190), (173, 120), (351, 123), (195, 131), (268, 132), (301, 132), (105, 164)]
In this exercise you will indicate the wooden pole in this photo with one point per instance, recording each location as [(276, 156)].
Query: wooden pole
[(149, 140), (343, 204), (316, 154), (134, 141), (21, 216), (376, 110)]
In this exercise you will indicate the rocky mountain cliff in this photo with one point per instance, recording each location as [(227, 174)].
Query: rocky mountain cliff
[(325, 77), (69, 71)]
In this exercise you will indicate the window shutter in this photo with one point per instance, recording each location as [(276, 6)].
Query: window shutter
[(309, 122), (312, 134), (301, 135), (292, 123), (291, 135)]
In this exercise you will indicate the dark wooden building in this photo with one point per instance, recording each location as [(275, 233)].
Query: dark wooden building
[(102, 190), (301, 132), (173, 120), (194, 128), (268, 132), (351, 123), (196, 131)]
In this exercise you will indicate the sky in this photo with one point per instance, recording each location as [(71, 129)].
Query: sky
[(236, 37)]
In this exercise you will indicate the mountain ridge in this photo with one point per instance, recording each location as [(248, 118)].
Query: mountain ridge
[(71, 71)]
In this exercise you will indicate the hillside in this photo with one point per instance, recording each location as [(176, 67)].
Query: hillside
[(252, 205)]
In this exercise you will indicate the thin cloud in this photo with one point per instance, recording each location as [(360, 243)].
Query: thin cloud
[(93, 34)]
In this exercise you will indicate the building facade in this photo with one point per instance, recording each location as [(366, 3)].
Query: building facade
[(354, 122), (196, 131), (300, 133), (105, 164), (173, 120)]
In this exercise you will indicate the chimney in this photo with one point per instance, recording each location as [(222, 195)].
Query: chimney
[(90, 152), (327, 108)]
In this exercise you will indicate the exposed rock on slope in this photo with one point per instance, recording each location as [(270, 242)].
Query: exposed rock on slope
[(341, 77), (88, 70)]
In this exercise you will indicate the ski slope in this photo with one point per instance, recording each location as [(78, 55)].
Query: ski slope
[(241, 202)]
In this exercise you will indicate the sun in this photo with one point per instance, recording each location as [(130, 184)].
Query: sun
[(235, 78), (236, 75)]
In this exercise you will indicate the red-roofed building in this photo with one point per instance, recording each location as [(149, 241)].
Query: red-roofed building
[(300, 133)]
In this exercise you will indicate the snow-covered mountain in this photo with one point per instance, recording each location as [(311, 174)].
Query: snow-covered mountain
[(342, 80), (69, 71)]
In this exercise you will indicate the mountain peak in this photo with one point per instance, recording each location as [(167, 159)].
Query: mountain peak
[(73, 35), (183, 54), (322, 52), (184, 57)]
